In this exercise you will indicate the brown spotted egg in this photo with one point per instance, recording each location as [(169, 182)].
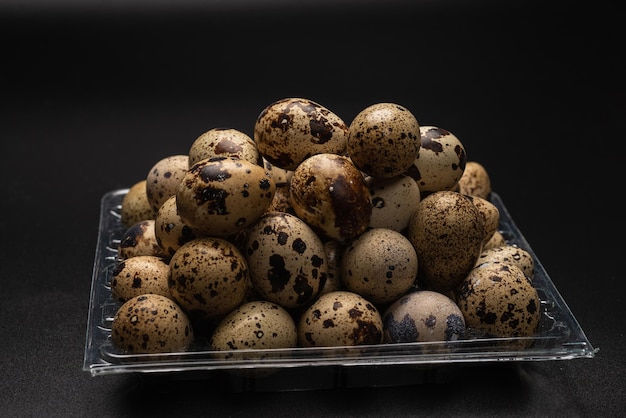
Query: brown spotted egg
[(224, 142), (170, 230), (292, 129), (151, 323), (490, 214), (475, 180), (380, 265), (447, 231), (509, 254), (140, 275), (423, 316), (287, 260), (393, 201), (135, 205), (209, 277), (496, 240), (222, 196), (164, 179), (329, 193), (255, 325), (498, 300), (384, 139), (340, 318), (140, 239), (441, 161)]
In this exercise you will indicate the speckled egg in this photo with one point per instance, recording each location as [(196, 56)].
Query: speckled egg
[(498, 300), (441, 161), (384, 139), (255, 325), (496, 240), (340, 318), (287, 260), (151, 323), (447, 232), (380, 265), (329, 193), (140, 275), (224, 142), (209, 277), (423, 316), (164, 179), (135, 206), (280, 176), (292, 129), (222, 196), (140, 239), (490, 214), (475, 180), (170, 230), (334, 251), (393, 201), (509, 254)]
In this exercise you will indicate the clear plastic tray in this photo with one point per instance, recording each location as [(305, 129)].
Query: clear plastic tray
[(560, 337)]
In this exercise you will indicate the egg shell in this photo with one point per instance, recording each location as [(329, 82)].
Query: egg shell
[(447, 232), (340, 318), (510, 254), (475, 180), (380, 265), (394, 200), (281, 201), (224, 142), (490, 214), (140, 239), (287, 260), (384, 139), (441, 161), (280, 176), (423, 316), (222, 196), (135, 205), (255, 325), (140, 275), (334, 251), (329, 193), (292, 129), (170, 230), (164, 178), (496, 240), (151, 323), (209, 277), (498, 300)]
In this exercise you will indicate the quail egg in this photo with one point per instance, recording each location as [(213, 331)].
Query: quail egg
[(393, 201), (135, 206), (475, 180), (140, 239), (509, 254), (169, 229), (140, 275), (164, 179), (224, 142)]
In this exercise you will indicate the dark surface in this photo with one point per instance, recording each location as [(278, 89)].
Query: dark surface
[(92, 97)]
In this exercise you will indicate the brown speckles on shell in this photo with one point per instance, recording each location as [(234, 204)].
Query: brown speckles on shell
[(292, 129), (340, 318), (164, 178), (224, 142), (140, 239)]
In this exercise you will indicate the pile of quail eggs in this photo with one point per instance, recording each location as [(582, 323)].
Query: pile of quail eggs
[(317, 233)]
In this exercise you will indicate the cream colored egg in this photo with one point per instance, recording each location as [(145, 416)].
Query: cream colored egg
[(140, 275), (224, 142), (447, 232), (222, 196), (340, 318), (475, 180), (287, 260), (170, 230), (441, 161), (135, 205), (209, 277), (292, 129), (498, 300), (496, 240), (394, 200), (423, 316), (151, 323), (164, 178), (510, 254), (380, 265), (384, 139), (140, 239), (329, 193), (490, 214), (255, 325)]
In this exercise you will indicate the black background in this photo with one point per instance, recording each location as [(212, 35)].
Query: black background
[(94, 93)]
